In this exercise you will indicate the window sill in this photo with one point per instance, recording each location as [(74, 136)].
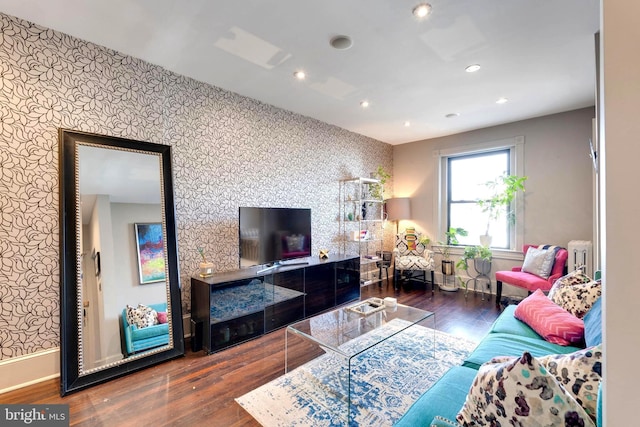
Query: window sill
[(505, 254)]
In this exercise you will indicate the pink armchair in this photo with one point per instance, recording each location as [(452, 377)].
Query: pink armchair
[(531, 282)]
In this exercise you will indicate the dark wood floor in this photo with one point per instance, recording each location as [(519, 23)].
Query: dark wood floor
[(199, 389)]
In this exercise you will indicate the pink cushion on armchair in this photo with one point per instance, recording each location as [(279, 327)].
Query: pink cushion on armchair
[(523, 280), (528, 281)]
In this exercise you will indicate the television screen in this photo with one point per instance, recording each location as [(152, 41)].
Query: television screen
[(268, 235)]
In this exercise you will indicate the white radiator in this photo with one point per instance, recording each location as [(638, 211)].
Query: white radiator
[(581, 256)]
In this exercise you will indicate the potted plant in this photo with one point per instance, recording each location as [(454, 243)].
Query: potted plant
[(377, 190), (481, 256), (424, 240), (503, 190), (445, 249)]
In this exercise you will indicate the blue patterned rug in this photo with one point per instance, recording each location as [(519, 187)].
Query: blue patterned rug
[(387, 379)]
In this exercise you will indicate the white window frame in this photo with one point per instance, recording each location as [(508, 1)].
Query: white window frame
[(515, 146)]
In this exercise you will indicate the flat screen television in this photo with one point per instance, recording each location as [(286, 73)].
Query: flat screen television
[(270, 235)]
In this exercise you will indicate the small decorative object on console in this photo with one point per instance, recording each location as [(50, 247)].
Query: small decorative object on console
[(206, 268), (324, 254), (367, 307), (390, 302)]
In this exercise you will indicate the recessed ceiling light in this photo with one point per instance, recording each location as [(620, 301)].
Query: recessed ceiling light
[(502, 100), (452, 115), (407, 124), (364, 104), (300, 75), (472, 68), (422, 10), (341, 42)]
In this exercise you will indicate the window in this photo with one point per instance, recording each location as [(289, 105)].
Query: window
[(467, 175), (463, 171)]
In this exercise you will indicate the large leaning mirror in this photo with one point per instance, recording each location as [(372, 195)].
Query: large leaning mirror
[(120, 293)]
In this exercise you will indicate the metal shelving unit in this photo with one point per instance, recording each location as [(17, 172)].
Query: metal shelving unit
[(361, 221)]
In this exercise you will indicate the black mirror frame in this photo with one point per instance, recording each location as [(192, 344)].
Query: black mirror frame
[(70, 378)]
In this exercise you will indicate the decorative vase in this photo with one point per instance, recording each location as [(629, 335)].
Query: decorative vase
[(485, 240), (482, 266), (448, 267), (206, 269)]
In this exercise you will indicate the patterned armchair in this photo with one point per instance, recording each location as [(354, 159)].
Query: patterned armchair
[(412, 256)]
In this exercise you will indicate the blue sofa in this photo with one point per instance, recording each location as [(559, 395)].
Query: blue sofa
[(508, 336), (139, 339)]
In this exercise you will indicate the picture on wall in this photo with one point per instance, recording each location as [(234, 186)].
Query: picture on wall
[(150, 248), (96, 262)]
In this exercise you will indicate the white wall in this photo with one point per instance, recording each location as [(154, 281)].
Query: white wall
[(130, 291), (620, 206), (558, 199)]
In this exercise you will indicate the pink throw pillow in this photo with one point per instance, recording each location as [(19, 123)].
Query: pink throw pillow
[(555, 324), (162, 317)]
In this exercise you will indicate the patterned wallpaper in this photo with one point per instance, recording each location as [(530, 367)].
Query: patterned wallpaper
[(228, 151)]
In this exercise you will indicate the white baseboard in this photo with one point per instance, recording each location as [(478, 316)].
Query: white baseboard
[(186, 325), (467, 279), (23, 371)]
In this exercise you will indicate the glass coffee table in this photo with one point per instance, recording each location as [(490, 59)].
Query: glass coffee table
[(346, 335)]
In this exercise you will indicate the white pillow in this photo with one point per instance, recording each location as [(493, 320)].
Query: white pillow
[(539, 261)]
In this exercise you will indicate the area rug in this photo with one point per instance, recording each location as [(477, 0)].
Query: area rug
[(386, 380)]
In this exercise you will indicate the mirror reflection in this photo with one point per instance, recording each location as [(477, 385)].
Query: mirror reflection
[(123, 274)]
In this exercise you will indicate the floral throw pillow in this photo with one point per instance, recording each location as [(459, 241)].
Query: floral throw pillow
[(579, 373), (576, 292), (141, 316), (520, 392)]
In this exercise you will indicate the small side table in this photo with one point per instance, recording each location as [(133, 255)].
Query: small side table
[(448, 274), (482, 268)]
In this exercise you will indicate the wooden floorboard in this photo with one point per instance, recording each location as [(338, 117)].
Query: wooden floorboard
[(200, 389)]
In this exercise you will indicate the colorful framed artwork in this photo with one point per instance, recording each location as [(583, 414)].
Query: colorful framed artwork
[(150, 249)]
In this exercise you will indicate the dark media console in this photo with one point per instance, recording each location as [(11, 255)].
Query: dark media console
[(233, 307)]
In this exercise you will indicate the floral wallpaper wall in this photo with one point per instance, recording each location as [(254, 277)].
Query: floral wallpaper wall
[(228, 151)]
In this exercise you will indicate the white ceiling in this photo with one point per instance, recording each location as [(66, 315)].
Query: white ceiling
[(537, 53), (124, 176)]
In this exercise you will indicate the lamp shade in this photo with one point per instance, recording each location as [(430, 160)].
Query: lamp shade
[(398, 208)]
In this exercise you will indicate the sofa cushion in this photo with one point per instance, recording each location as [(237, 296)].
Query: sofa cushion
[(579, 373), (444, 398), (593, 324), (599, 406), (523, 280), (520, 392), (539, 261), (149, 331), (506, 323), (500, 344), (413, 262), (444, 422), (576, 292), (551, 321)]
